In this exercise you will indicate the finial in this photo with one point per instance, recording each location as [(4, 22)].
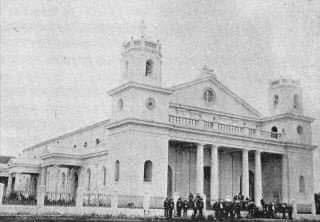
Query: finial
[(142, 28), (207, 71)]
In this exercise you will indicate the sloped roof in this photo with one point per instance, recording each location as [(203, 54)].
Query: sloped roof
[(95, 125)]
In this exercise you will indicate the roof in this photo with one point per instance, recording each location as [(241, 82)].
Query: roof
[(79, 130)]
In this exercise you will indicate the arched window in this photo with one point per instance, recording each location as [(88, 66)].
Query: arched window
[(63, 179), (149, 67), (301, 184), (104, 170), (89, 179), (117, 171), (275, 100), (300, 130), (147, 176), (295, 101), (209, 95), (274, 132)]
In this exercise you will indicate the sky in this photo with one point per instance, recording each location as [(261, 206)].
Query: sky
[(59, 58)]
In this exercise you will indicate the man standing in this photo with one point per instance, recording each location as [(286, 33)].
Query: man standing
[(195, 207), (166, 207), (191, 203), (200, 205), (171, 207), (179, 206), (185, 208)]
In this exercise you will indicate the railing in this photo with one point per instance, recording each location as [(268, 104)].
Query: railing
[(223, 128), (178, 120), (59, 199), (96, 200), (129, 201), (226, 128), (20, 198)]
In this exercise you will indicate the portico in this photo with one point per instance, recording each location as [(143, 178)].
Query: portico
[(220, 172)]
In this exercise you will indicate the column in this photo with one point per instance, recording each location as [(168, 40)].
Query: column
[(245, 173), (284, 173), (257, 179), (42, 187), (1, 192), (214, 183), (8, 191), (80, 190), (200, 148)]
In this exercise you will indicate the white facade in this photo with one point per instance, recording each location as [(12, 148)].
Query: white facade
[(197, 137)]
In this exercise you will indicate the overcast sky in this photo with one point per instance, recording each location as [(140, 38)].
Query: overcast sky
[(59, 58)]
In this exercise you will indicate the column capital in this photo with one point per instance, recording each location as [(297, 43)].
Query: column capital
[(200, 144), (257, 151)]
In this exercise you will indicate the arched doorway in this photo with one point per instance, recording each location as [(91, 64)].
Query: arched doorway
[(169, 182)]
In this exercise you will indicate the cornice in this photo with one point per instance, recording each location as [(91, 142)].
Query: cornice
[(137, 85), (206, 132), (78, 156), (211, 111), (287, 116)]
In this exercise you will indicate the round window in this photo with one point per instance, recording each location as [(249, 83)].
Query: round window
[(150, 103), (120, 104), (299, 130), (209, 95)]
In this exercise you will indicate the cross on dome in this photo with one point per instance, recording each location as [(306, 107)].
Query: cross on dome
[(206, 71)]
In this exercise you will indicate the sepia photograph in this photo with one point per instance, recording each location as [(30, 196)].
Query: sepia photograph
[(159, 110)]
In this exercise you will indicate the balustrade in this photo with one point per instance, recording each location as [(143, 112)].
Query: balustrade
[(223, 127), (183, 121)]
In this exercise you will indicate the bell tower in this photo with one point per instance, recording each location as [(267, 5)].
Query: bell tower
[(141, 60), (285, 96)]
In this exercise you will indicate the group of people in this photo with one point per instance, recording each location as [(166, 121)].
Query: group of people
[(232, 208), (181, 207), (223, 209)]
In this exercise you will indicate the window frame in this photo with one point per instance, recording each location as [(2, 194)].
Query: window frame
[(149, 66), (117, 171), (147, 171)]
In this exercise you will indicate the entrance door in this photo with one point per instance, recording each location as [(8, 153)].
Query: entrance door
[(169, 182)]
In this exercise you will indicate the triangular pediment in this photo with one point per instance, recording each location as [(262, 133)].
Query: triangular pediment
[(192, 94)]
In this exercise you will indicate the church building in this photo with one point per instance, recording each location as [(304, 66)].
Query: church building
[(197, 137)]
